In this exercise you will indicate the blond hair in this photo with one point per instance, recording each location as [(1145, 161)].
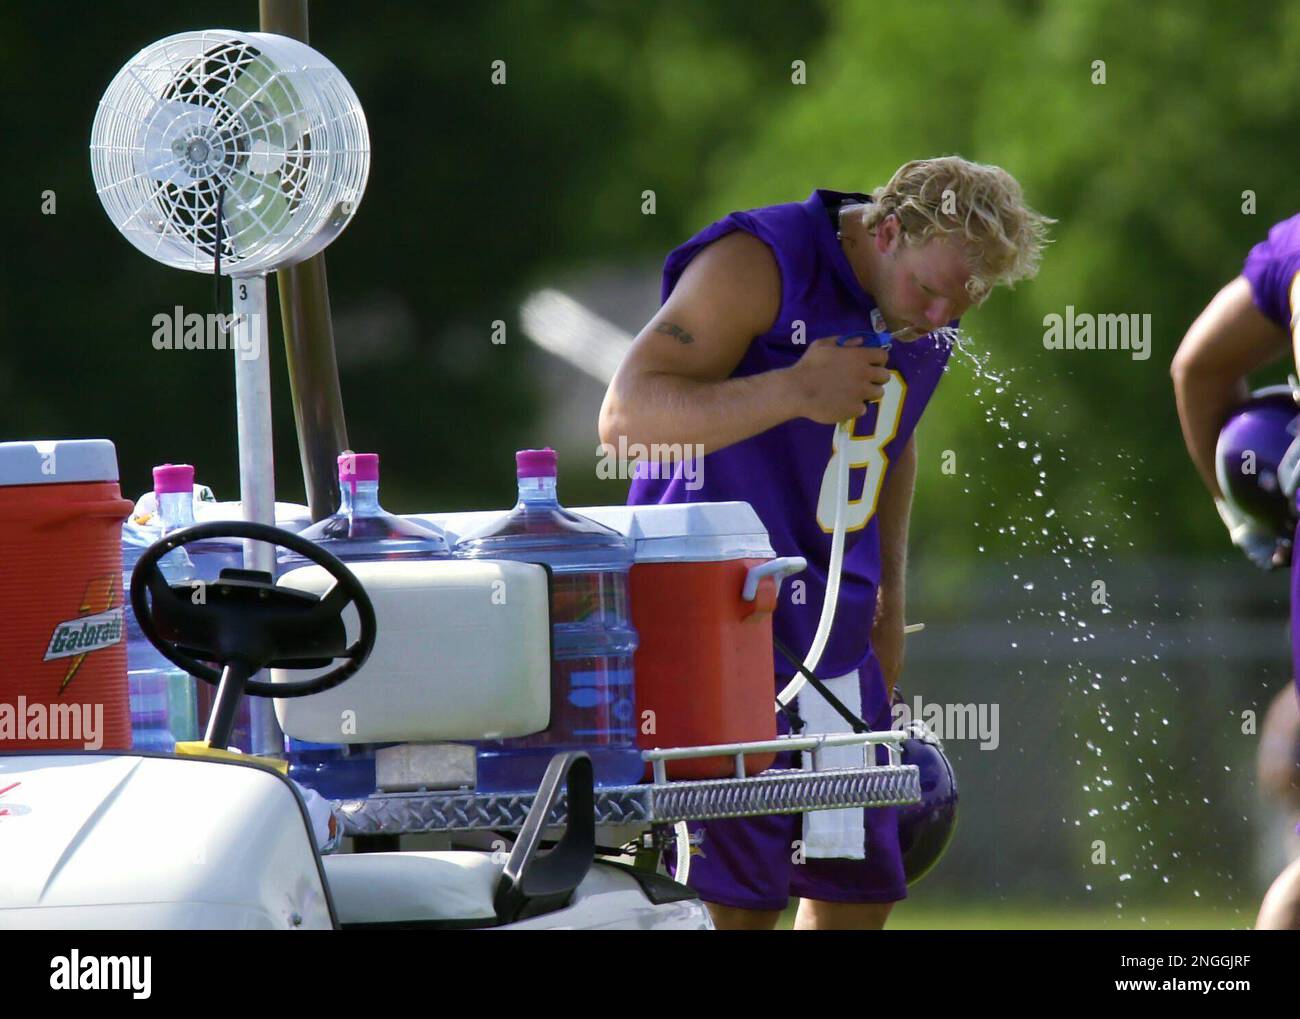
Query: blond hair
[(981, 207)]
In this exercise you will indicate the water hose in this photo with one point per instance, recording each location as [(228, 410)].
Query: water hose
[(840, 442), (840, 448), (880, 337)]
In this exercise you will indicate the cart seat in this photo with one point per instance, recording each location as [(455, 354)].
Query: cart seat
[(454, 888), (458, 890), (562, 887)]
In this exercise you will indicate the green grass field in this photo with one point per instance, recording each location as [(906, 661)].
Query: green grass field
[(927, 916)]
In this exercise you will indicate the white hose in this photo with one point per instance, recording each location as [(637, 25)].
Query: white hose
[(840, 447)]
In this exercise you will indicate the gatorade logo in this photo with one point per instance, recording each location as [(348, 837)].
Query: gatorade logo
[(85, 634), (99, 626)]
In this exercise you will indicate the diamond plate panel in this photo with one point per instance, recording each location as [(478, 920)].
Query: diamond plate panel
[(772, 792)]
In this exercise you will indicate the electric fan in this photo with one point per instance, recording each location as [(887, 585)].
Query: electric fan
[(234, 153)]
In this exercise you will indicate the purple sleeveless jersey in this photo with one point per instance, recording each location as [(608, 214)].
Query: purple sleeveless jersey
[(1271, 268), (786, 473)]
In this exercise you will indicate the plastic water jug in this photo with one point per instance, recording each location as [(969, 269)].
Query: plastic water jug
[(593, 702), (361, 531), (165, 702)]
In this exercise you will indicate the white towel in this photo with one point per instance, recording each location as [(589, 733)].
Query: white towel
[(833, 834)]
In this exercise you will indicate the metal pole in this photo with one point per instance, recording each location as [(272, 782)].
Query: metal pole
[(309, 333), (253, 403), (256, 469)]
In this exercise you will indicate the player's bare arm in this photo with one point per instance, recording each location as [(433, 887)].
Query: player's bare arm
[(893, 514), (672, 388), (1229, 339)]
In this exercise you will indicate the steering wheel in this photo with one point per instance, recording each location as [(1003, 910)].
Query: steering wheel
[(245, 623)]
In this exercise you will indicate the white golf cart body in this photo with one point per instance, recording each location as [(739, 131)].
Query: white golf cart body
[(120, 842)]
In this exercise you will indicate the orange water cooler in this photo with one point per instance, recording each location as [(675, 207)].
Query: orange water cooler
[(62, 647), (704, 660)]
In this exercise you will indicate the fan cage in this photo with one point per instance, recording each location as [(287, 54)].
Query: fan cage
[(263, 123)]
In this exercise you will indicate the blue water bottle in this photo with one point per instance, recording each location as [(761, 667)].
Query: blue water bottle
[(165, 703), (361, 531), (150, 677), (593, 703)]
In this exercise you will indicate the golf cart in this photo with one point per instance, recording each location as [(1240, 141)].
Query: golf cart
[(208, 838)]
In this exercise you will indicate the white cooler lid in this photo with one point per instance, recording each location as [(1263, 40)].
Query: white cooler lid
[(57, 461), (696, 532), (670, 532)]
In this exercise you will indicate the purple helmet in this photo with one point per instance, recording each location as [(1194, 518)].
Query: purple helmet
[(926, 828), (1255, 463)]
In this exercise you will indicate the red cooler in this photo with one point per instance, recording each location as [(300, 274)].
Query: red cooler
[(704, 660), (62, 648)]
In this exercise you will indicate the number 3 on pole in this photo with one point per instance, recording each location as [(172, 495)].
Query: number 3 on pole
[(865, 451)]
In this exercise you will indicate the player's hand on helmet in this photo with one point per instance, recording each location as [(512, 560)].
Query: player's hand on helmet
[(1263, 548), (834, 383)]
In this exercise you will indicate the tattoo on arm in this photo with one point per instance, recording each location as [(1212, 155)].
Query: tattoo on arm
[(672, 329)]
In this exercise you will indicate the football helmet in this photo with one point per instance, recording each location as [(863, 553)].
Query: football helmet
[(926, 828), (1257, 463)]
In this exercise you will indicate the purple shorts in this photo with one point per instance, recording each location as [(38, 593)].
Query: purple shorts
[(749, 862)]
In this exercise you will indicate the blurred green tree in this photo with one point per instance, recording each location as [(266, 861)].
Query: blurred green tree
[(1139, 128), (477, 190)]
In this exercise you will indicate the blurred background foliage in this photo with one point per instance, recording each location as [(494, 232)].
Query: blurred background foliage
[(1070, 464), (476, 193), (480, 192)]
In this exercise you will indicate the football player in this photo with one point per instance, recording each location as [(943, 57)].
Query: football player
[(742, 362), (1250, 323)]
